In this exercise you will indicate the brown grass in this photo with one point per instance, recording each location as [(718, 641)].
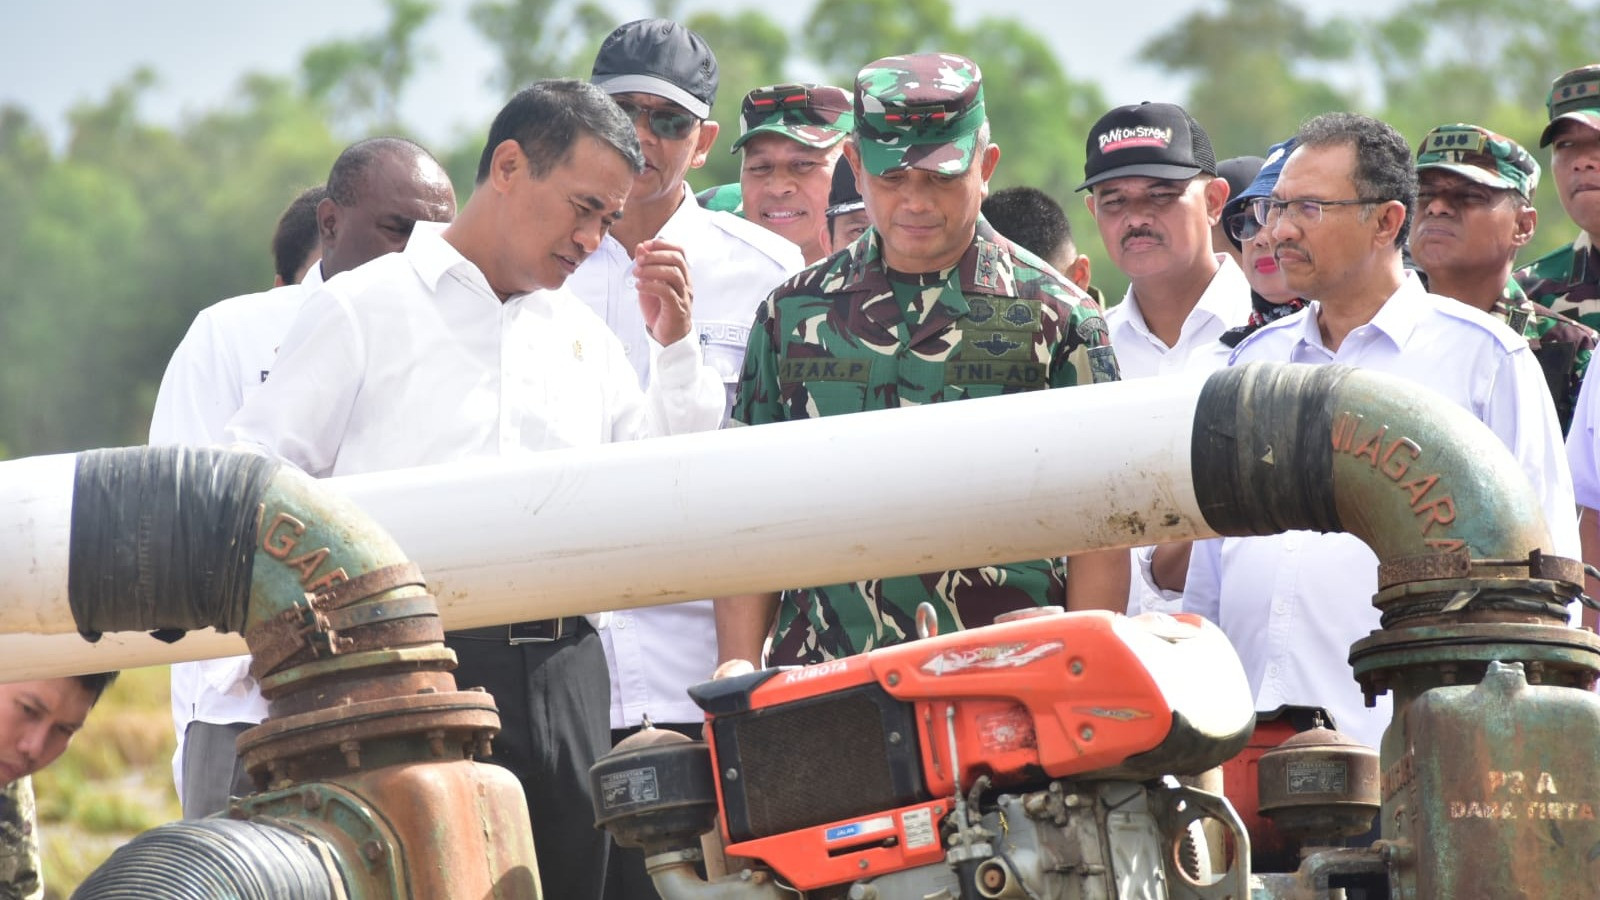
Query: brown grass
[(114, 781)]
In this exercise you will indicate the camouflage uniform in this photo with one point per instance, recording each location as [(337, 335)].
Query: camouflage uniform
[(1567, 280), (1561, 345), (20, 871), (840, 337)]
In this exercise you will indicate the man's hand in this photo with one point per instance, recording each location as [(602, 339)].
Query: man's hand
[(666, 296)]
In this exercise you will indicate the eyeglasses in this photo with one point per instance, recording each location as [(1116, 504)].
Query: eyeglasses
[(1302, 210), (1242, 225), (668, 124)]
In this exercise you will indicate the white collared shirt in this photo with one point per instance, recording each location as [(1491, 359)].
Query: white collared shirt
[(412, 359), (1292, 604), (1582, 445), (224, 357), (656, 653), (1224, 304)]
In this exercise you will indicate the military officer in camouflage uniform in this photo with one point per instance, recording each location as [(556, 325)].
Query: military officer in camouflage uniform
[(37, 721), (790, 135), (1474, 212), (1567, 279), (929, 305)]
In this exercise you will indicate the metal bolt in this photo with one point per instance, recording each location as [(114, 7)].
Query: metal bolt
[(894, 678), (1086, 733), (894, 738), (436, 743), (731, 775), (1076, 667), (372, 850), (861, 864), (352, 753), (428, 690)]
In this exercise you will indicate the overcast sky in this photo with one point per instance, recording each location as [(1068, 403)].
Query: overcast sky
[(54, 53)]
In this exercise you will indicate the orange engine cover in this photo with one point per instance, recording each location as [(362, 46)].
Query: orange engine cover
[(843, 770)]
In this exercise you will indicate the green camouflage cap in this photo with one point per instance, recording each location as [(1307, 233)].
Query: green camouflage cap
[(817, 115), (1480, 155), (921, 111), (1574, 97)]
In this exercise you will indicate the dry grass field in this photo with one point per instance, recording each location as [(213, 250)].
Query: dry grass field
[(114, 781)]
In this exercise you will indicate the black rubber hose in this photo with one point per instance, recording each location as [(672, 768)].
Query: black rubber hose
[(163, 538), (212, 859)]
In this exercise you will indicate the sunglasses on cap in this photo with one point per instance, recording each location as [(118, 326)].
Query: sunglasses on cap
[(760, 104), (668, 124)]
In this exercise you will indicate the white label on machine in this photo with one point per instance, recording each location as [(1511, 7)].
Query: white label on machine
[(918, 824)]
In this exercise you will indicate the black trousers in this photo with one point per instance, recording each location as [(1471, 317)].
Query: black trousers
[(554, 700)]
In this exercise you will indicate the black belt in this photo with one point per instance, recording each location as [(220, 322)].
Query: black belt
[(541, 631)]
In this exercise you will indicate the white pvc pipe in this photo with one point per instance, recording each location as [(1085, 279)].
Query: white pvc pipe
[(822, 501)]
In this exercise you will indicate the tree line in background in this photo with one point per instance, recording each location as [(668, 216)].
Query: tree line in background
[(109, 246)]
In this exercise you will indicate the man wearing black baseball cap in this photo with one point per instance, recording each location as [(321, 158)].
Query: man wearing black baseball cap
[(1155, 196), (666, 246)]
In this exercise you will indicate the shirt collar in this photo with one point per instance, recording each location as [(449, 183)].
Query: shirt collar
[(313, 279), (1396, 320), (432, 256), (1226, 298)]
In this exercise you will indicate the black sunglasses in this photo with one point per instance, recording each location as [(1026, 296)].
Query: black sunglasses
[(667, 124), (1242, 226)]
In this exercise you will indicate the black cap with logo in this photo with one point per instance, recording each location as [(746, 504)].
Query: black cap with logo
[(1149, 140)]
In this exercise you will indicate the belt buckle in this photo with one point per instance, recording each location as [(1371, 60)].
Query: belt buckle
[(560, 630)]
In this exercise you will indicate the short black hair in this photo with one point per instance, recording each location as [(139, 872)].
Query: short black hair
[(1384, 168), (1031, 218), (350, 169), (548, 117), (96, 684), (297, 235)]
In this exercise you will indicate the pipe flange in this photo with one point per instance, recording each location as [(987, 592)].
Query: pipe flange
[(1514, 601), (1460, 652)]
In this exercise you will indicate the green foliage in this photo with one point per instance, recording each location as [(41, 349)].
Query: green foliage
[(360, 80), (540, 38), (752, 51)]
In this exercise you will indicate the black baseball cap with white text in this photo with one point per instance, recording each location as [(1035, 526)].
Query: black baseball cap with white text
[(1149, 140)]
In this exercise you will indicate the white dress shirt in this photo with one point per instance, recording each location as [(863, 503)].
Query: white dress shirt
[(1224, 304), (656, 653), (1294, 603), (1581, 445), (412, 359), (224, 357)]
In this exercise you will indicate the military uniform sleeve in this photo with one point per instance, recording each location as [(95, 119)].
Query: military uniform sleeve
[(200, 389), (302, 411), (1083, 353), (21, 874), (756, 401)]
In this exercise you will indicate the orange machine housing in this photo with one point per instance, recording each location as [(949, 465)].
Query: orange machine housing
[(845, 769)]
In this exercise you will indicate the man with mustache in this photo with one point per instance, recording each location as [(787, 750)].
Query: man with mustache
[(929, 305), (467, 345), (1292, 604), (1155, 196), (1474, 212)]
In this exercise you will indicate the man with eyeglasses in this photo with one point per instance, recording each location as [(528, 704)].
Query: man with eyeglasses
[(930, 305), (664, 77), (1292, 604), (1474, 212), (791, 136), (1155, 196)]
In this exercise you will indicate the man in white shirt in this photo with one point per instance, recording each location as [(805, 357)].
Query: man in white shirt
[(1294, 603), (1155, 196), (377, 190), (468, 346), (665, 77)]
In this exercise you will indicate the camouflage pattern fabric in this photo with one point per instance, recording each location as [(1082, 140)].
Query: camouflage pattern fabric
[(1479, 155), (1562, 346), (1567, 281), (20, 872), (723, 198), (816, 115), (921, 112), (833, 340)]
